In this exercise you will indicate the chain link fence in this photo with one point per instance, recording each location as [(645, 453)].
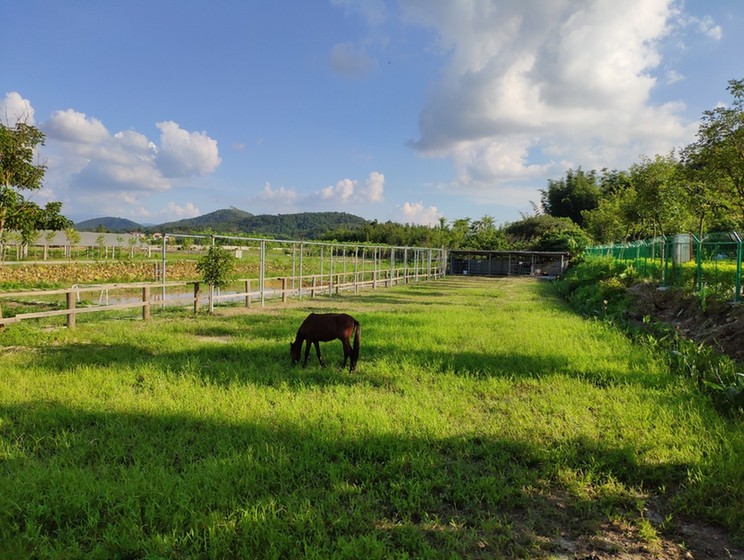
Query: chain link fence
[(710, 265)]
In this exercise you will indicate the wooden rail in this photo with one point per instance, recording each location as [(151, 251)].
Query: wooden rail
[(279, 287)]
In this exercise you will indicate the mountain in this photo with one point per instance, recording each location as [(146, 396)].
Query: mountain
[(109, 224), (220, 221), (232, 221), (304, 225)]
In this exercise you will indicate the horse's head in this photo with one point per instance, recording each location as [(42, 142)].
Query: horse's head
[(294, 351)]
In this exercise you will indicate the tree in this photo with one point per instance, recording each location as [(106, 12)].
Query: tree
[(547, 233), (18, 173), (217, 268), (569, 197), (661, 198), (718, 154)]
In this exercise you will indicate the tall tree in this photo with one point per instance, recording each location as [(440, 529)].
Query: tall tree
[(661, 198), (19, 173), (570, 196), (718, 154)]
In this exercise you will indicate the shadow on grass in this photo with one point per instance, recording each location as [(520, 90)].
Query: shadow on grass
[(97, 484)]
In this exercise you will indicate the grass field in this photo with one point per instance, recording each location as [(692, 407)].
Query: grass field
[(484, 419)]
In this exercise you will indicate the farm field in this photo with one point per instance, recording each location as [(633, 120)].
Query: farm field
[(484, 420)]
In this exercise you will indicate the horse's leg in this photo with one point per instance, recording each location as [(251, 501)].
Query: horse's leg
[(317, 351), (347, 351), (307, 352)]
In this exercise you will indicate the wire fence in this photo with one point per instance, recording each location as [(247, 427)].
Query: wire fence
[(710, 265)]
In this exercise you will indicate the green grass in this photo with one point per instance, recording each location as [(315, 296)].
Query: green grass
[(485, 419)]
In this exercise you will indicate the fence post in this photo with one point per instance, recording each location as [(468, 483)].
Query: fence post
[(262, 272), (196, 297), (312, 289), (247, 293), (284, 289), (71, 310), (737, 297), (146, 303)]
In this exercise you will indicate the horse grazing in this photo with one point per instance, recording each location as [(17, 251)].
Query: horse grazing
[(323, 327)]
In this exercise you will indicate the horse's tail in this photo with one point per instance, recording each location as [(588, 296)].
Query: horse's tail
[(357, 342)]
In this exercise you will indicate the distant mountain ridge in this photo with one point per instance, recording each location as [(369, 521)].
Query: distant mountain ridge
[(114, 225), (304, 225)]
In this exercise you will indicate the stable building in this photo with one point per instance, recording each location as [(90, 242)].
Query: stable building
[(550, 264)]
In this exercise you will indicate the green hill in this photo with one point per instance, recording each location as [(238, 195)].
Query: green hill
[(232, 221), (221, 221), (109, 224)]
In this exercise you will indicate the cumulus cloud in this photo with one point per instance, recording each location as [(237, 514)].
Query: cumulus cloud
[(348, 191), (183, 153), (342, 191), (14, 108), (374, 187), (416, 213), (531, 85), (91, 158)]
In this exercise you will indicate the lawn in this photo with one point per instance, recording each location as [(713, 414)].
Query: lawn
[(484, 419)]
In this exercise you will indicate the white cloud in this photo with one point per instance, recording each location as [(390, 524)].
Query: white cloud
[(533, 84), (348, 191), (708, 27), (342, 191), (14, 108), (88, 156), (76, 128), (183, 153), (374, 187), (270, 194), (416, 213), (175, 212)]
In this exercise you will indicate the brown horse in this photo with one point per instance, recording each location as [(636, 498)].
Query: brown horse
[(323, 327)]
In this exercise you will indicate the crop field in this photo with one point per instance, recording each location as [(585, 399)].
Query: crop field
[(485, 419)]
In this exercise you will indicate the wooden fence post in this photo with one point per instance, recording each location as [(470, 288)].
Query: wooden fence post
[(196, 297), (284, 289), (247, 293), (146, 303), (312, 289), (71, 309)]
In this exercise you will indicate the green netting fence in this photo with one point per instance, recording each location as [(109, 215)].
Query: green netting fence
[(710, 264)]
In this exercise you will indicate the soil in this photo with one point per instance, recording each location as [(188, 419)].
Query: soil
[(715, 323)]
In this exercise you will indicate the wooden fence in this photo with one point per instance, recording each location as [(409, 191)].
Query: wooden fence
[(156, 293)]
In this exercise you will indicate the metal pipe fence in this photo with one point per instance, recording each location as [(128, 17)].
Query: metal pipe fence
[(267, 270), (710, 265)]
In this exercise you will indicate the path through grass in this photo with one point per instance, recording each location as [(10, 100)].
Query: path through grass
[(484, 420)]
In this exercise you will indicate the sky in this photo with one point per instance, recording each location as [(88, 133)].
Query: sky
[(404, 110)]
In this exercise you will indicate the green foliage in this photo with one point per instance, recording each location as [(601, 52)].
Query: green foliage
[(599, 287), (18, 172), (715, 158), (217, 266), (547, 233), (571, 196)]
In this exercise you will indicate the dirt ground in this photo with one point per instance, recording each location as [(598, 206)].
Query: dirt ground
[(718, 324)]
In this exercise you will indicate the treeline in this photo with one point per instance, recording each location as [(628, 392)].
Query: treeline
[(698, 188), (534, 233)]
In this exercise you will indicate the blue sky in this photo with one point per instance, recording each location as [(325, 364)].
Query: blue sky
[(408, 110)]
